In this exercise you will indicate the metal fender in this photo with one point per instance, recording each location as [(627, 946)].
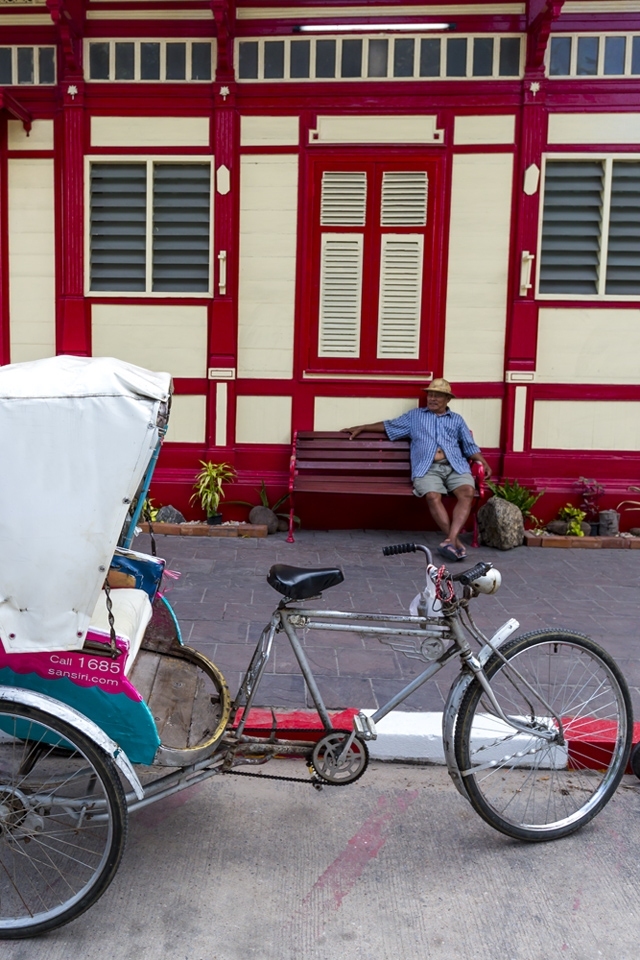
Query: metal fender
[(456, 693), (75, 719)]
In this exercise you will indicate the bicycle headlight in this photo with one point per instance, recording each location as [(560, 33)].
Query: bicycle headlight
[(488, 583)]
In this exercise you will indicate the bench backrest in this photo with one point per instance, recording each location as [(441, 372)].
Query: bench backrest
[(335, 455)]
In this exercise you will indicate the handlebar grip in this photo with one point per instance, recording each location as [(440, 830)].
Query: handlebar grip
[(397, 548), (468, 576)]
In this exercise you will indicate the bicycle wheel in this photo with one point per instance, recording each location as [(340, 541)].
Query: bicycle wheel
[(521, 783), (63, 821)]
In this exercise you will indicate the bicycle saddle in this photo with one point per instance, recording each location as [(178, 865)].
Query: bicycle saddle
[(299, 583)]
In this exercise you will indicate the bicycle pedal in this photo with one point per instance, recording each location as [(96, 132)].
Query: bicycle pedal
[(364, 726)]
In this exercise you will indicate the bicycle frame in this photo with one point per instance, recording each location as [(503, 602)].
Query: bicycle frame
[(438, 630)]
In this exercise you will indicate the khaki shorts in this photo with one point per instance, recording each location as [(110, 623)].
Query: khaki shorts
[(441, 478)]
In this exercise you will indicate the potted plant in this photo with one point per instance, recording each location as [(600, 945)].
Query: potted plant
[(208, 488), (590, 494)]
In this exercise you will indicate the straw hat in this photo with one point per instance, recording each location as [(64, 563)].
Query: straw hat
[(440, 385)]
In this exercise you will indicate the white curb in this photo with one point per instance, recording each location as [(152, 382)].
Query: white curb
[(408, 736)]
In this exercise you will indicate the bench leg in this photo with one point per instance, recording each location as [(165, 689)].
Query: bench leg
[(476, 538), (290, 537)]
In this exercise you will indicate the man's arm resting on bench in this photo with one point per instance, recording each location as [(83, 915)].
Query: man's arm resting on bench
[(364, 428)]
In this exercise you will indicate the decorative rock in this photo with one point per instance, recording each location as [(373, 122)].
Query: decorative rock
[(501, 524), (609, 523), (557, 527), (635, 531), (283, 525), (266, 516), (169, 515)]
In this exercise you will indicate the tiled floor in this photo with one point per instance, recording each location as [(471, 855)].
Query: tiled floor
[(223, 600)]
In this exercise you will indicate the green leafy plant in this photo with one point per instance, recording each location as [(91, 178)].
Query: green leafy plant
[(573, 517), (150, 510), (264, 502), (514, 492), (208, 485)]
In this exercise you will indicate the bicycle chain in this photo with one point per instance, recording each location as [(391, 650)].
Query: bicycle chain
[(315, 780)]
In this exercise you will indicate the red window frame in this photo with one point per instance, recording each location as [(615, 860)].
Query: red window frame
[(432, 308)]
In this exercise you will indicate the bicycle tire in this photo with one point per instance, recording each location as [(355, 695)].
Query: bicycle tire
[(521, 784), (63, 821)]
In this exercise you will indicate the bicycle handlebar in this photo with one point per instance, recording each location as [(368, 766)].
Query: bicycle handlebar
[(397, 548), (468, 576)]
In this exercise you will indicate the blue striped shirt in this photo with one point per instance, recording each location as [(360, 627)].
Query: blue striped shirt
[(428, 431)]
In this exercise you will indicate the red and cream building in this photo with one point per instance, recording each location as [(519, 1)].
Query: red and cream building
[(303, 212)]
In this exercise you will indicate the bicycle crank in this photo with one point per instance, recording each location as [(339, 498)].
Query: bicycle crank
[(331, 766)]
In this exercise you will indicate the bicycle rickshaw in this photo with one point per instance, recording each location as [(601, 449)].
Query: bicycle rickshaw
[(104, 710)]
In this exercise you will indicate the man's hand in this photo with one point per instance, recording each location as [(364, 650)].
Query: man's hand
[(352, 431), (364, 427), (487, 469)]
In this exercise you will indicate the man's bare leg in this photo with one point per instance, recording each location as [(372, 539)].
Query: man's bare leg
[(464, 501), (439, 513)]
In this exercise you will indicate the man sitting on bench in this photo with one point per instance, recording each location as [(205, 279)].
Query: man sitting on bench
[(441, 445)]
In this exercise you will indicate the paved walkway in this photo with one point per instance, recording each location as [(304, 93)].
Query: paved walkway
[(223, 600)]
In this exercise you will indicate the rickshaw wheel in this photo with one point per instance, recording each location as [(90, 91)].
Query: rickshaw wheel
[(635, 760), (63, 821)]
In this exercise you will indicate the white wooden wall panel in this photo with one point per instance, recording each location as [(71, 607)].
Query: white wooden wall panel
[(263, 419), (586, 425), (421, 128), (157, 337), (268, 224), (588, 346), (269, 131), (40, 137), (478, 266), (150, 132), (334, 413), (483, 417), (496, 128), (31, 259), (519, 419), (188, 419), (594, 128)]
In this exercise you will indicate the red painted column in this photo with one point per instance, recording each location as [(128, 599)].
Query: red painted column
[(223, 335), (73, 324)]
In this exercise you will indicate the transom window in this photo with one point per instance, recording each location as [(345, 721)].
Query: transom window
[(590, 242), (26, 65), (594, 56), (150, 60), (379, 58), (150, 227)]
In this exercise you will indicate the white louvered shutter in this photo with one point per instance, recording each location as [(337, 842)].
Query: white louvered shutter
[(340, 295), (400, 296), (404, 198), (344, 199), (571, 226), (181, 227), (118, 226), (623, 260)]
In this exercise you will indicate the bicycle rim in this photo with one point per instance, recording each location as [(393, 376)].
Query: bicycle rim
[(521, 783), (63, 822)]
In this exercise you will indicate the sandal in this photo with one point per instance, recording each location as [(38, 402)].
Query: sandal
[(461, 553), (449, 552)]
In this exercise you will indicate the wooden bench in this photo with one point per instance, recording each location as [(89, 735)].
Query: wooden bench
[(324, 462)]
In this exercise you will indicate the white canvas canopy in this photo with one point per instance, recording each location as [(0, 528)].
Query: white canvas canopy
[(76, 435)]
